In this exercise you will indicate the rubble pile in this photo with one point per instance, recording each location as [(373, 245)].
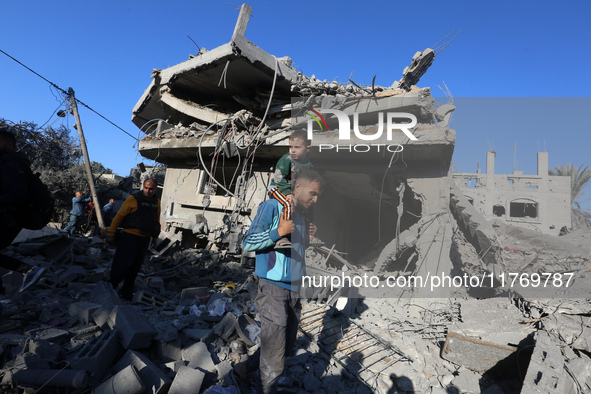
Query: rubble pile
[(190, 320)]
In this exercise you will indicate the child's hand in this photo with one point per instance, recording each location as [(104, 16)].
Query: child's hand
[(312, 230), (285, 227)]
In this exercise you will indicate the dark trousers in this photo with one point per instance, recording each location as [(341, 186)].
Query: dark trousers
[(127, 262), (279, 311)]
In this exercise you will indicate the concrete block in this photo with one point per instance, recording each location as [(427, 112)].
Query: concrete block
[(98, 354), (169, 351), (187, 380), (155, 380), (125, 381), (54, 335), (224, 368), (72, 273), (101, 316), (198, 334), (83, 310), (467, 381), (167, 332), (176, 365), (226, 327), (149, 299), (104, 294), (545, 373), (85, 333), (188, 295), (477, 355), (198, 356), (136, 332), (57, 250)]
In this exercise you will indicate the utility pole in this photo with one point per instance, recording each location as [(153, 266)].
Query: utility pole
[(97, 207)]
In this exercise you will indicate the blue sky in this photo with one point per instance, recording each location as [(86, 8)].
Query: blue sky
[(106, 51)]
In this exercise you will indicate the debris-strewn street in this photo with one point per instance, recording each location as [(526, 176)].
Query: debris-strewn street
[(473, 288), (192, 318)]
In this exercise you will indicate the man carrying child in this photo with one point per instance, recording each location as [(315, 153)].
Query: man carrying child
[(287, 170)]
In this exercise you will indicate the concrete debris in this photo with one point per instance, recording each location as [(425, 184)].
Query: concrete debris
[(379, 345), (477, 355), (193, 314)]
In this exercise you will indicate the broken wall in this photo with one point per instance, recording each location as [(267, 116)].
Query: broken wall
[(539, 202)]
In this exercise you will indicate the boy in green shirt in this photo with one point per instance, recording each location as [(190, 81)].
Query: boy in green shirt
[(287, 170)]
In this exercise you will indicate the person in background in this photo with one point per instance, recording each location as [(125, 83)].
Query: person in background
[(14, 195), (139, 216), (77, 211), (108, 212)]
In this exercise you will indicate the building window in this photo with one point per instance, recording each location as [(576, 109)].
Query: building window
[(499, 210), (523, 209), (225, 176)]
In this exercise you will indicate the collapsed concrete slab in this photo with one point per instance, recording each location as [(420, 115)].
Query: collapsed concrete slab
[(474, 354), (545, 373)]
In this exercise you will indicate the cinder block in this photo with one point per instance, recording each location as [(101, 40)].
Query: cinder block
[(198, 356), (168, 351), (104, 294), (98, 354), (136, 332), (155, 380), (125, 381), (198, 334), (83, 310), (175, 365), (101, 316), (187, 380), (149, 299)]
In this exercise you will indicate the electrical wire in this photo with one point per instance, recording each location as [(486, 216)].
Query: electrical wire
[(66, 93)]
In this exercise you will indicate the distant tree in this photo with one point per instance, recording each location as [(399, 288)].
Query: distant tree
[(46, 148), (579, 177), (98, 168), (56, 156)]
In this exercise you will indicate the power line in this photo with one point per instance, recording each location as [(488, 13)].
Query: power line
[(66, 93)]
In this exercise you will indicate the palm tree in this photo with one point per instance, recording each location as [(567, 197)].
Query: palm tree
[(578, 179)]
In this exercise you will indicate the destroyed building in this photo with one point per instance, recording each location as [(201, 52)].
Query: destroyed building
[(220, 121), (541, 202)]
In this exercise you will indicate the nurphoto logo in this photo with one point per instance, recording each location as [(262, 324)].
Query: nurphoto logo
[(345, 124)]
